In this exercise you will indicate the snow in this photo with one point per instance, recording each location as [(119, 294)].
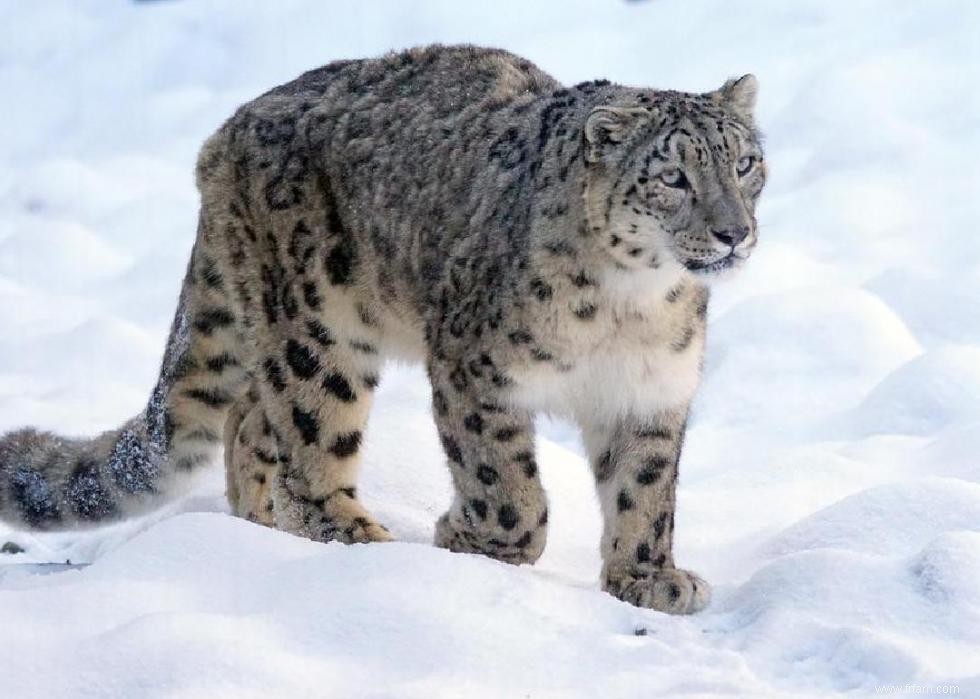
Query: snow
[(831, 481)]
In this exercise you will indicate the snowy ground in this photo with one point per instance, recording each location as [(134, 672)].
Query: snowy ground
[(831, 486)]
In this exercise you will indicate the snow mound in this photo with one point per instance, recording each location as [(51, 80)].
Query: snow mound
[(955, 452), (872, 626), (888, 519), (929, 393), (940, 309), (761, 358), (288, 614), (48, 254)]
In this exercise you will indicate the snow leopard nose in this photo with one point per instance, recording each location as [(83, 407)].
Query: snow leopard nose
[(731, 236)]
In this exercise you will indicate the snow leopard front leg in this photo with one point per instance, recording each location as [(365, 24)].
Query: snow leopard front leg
[(499, 508), (635, 465)]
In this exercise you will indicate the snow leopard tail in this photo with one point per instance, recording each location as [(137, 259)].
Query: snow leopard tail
[(48, 482)]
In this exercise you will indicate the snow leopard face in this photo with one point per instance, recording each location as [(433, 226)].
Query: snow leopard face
[(673, 179)]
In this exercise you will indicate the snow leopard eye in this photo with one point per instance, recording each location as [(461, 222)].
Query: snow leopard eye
[(674, 178), (745, 165)]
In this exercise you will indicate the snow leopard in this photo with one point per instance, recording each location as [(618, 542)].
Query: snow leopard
[(541, 249)]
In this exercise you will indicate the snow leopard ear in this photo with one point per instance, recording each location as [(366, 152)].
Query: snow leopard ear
[(739, 95), (607, 127)]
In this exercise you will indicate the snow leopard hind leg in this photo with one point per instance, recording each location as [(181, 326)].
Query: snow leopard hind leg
[(251, 460), (316, 382)]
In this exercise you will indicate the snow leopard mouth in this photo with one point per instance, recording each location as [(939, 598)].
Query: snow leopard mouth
[(729, 261)]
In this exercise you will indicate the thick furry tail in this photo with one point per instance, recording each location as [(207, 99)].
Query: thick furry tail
[(50, 482)]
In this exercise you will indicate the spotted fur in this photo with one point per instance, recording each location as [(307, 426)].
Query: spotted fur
[(538, 247)]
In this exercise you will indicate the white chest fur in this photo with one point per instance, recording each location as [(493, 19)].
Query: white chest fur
[(613, 382), (629, 361)]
